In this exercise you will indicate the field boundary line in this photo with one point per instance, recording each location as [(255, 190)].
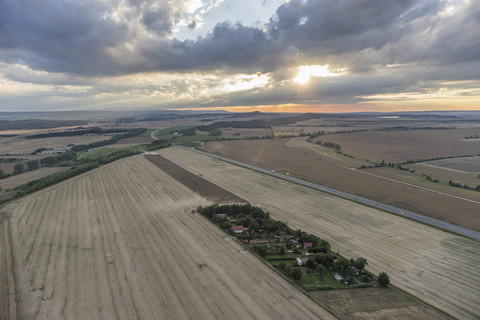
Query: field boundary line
[(430, 221), (419, 187)]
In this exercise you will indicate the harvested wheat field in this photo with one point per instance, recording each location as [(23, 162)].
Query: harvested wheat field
[(121, 242), (440, 268), (290, 155)]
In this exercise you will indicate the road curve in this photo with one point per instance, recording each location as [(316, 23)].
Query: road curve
[(382, 206), (153, 135)]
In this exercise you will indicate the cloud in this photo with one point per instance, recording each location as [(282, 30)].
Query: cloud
[(107, 38), (397, 46)]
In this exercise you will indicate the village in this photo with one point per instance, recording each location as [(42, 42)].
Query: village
[(302, 257)]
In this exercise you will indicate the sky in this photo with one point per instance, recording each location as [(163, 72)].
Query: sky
[(240, 55)]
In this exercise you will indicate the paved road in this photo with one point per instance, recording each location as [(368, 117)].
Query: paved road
[(401, 212), (153, 135)]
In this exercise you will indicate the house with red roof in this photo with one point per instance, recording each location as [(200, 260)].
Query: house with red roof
[(307, 245)]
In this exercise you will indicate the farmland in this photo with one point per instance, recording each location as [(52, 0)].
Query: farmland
[(120, 242), (470, 164), (400, 146), (438, 267), (18, 145), (321, 165), (375, 303), (18, 180)]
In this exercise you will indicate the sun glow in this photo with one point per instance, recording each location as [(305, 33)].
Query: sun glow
[(306, 72)]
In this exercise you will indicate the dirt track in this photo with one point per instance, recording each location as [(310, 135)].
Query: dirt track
[(439, 268), (120, 242)]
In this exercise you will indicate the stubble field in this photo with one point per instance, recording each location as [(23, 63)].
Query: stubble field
[(400, 146), (120, 242), (438, 267), (18, 145), (321, 165)]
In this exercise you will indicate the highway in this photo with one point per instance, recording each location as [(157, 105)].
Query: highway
[(382, 206)]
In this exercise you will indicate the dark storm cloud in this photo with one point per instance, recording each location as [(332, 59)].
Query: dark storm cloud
[(89, 38)]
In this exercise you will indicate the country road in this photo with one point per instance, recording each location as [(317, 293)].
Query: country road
[(382, 206), (153, 135)]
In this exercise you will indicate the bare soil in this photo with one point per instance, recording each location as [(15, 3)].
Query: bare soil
[(376, 303), (400, 146), (470, 164), (194, 182), (301, 159), (437, 267), (120, 242)]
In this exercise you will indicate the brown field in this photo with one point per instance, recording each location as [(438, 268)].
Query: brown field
[(470, 164), (120, 242), (376, 303), (246, 132), (20, 145), (296, 129), (20, 179), (400, 146), (445, 174), (194, 182), (312, 163), (438, 267)]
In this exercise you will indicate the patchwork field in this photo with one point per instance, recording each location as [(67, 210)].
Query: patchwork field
[(470, 164), (399, 146), (120, 242), (321, 165), (438, 267), (20, 145), (20, 179)]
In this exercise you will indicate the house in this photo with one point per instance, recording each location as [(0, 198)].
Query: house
[(299, 261), (259, 241), (222, 216), (238, 229), (279, 245), (307, 245), (309, 254)]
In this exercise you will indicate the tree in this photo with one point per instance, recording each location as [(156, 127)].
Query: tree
[(383, 279), (310, 264), (360, 263), (261, 250), (282, 250), (296, 274), (342, 266), (2, 174), (19, 168), (48, 161), (282, 265), (349, 279), (215, 132), (32, 165), (321, 269)]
